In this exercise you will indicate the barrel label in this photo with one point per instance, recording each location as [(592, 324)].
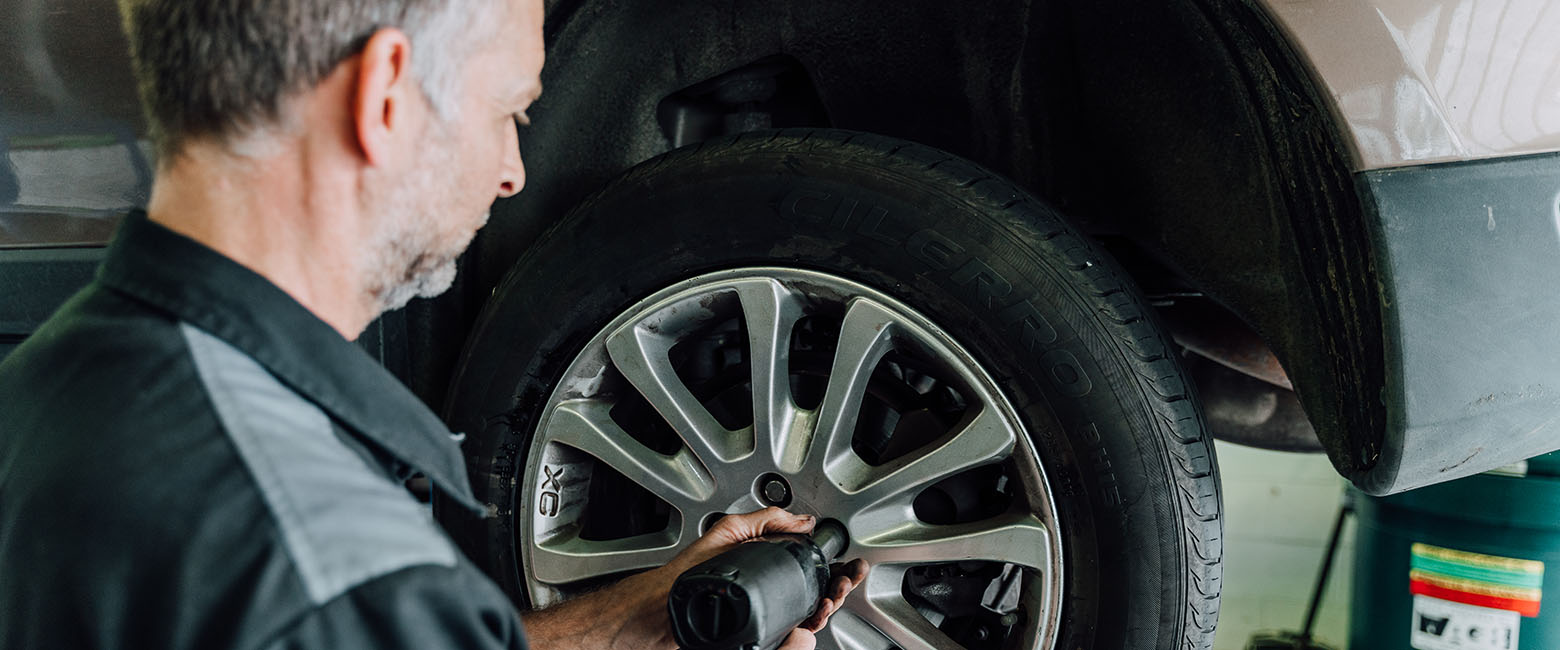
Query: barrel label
[(1488, 581), (1446, 625)]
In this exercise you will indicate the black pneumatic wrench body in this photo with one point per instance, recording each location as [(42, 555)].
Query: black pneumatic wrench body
[(752, 596)]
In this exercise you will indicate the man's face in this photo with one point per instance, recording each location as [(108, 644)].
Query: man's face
[(430, 212)]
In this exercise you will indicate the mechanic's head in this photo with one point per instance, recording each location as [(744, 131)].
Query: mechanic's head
[(411, 104)]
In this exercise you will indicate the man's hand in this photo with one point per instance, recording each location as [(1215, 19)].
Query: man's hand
[(632, 613), (732, 530)]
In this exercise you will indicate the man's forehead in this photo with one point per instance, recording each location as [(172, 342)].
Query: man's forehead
[(520, 78), (515, 55)]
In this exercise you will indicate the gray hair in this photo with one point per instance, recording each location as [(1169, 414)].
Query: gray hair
[(223, 68)]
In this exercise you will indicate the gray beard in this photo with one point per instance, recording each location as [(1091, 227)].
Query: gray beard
[(419, 280), (408, 259), (410, 265)]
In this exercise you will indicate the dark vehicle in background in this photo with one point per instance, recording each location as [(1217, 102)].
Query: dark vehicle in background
[(979, 279)]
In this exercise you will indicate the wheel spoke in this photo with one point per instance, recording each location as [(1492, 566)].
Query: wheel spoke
[(881, 604), (849, 631), (570, 559), (587, 426), (770, 311), (865, 336), (1020, 539), (985, 439), (643, 358)]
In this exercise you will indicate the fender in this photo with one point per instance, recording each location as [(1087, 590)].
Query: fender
[(1188, 134)]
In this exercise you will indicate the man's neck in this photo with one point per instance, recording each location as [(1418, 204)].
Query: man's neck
[(271, 216)]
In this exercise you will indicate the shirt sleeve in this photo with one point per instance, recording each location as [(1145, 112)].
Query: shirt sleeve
[(423, 607)]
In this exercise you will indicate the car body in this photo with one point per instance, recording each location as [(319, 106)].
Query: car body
[(1366, 191)]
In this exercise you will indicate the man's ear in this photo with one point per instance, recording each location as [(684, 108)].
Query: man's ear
[(382, 94)]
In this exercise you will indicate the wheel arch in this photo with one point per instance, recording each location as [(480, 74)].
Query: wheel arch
[(1189, 132)]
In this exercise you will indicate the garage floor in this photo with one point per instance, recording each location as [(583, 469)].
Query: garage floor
[(1279, 509)]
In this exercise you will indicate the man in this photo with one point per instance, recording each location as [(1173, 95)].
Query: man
[(192, 453)]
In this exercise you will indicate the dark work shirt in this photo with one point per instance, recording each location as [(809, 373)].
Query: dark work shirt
[(189, 458)]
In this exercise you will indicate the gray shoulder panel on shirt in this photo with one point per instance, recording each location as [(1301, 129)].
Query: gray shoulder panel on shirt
[(343, 523)]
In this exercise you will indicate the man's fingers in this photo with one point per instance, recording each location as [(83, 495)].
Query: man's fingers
[(839, 588), (732, 530), (820, 617), (856, 570), (846, 578), (743, 527), (799, 639)]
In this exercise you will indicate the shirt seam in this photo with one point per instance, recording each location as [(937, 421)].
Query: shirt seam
[(274, 505)]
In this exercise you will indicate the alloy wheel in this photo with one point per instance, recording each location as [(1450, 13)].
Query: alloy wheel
[(767, 386)]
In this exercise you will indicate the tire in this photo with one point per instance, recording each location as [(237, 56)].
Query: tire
[(998, 307)]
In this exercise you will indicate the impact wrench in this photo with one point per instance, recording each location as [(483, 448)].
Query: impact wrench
[(752, 596)]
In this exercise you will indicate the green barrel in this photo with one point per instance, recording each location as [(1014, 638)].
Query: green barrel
[(1473, 564)]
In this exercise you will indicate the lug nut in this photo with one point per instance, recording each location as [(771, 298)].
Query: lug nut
[(773, 490)]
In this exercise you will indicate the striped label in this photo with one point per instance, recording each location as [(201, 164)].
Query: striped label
[(1489, 581)]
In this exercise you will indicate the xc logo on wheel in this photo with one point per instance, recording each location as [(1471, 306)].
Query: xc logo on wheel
[(547, 504)]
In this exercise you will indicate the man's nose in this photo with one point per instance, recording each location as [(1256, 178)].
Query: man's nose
[(511, 172)]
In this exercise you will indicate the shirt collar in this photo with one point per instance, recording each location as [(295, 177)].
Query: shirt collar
[(198, 285)]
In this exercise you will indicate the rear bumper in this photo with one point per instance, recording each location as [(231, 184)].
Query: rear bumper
[(1469, 259)]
